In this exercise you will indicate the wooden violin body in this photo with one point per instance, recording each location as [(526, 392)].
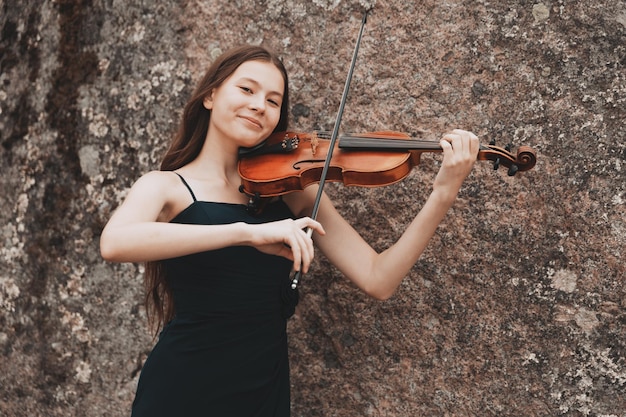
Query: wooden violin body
[(290, 161)]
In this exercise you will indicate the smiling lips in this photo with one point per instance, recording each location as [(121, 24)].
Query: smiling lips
[(253, 121)]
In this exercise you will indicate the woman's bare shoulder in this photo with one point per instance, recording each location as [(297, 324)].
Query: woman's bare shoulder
[(158, 182), (161, 189)]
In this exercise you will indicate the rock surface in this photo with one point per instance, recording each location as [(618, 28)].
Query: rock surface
[(518, 306)]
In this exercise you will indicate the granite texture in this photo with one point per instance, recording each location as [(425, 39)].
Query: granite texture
[(518, 306)]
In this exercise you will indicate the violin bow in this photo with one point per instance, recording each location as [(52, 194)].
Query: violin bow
[(333, 140)]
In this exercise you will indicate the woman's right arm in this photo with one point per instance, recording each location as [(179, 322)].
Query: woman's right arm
[(139, 230)]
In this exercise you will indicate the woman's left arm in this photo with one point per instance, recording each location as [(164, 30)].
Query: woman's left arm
[(380, 274)]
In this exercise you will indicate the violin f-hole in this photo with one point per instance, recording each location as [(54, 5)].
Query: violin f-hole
[(296, 165)]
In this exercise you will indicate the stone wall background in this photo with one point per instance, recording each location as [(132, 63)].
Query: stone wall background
[(517, 308)]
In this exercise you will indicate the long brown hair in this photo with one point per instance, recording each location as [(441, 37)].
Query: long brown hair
[(186, 147)]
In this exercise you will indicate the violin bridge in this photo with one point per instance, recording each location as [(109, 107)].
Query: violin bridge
[(314, 143)]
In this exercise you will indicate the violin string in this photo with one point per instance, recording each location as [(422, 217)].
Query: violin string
[(380, 142)]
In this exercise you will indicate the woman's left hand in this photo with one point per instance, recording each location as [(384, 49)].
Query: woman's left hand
[(460, 150)]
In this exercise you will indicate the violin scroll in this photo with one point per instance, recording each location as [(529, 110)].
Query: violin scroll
[(525, 159)]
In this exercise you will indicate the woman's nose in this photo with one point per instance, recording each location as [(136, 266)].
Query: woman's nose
[(258, 103)]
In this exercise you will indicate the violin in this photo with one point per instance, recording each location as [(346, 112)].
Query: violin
[(291, 161)]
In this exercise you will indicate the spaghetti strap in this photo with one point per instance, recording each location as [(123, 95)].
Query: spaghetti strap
[(186, 185)]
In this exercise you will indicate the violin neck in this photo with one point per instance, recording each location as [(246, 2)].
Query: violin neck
[(382, 142)]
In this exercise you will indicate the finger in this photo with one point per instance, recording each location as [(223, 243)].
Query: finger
[(474, 144), (299, 253), (294, 248), (317, 226), (461, 142), (286, 252), (307, 222), (307, 251), (446, 145), (453, 137), (469, 140)]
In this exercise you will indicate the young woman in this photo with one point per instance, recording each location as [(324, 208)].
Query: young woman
[(217, 275)]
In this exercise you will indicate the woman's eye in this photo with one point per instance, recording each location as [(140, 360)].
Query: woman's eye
[(274, 103), (246, 89)]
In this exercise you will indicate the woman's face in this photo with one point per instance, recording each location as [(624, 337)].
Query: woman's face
[(246, 107)]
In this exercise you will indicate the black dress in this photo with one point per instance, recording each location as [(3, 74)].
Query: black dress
[(225, 351)]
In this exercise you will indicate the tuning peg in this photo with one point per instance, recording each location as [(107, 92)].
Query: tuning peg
[(496, 164), (513, 170), (492, 142), (508, 147)]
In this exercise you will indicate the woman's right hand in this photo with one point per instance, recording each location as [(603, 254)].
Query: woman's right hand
[(287, 238)]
